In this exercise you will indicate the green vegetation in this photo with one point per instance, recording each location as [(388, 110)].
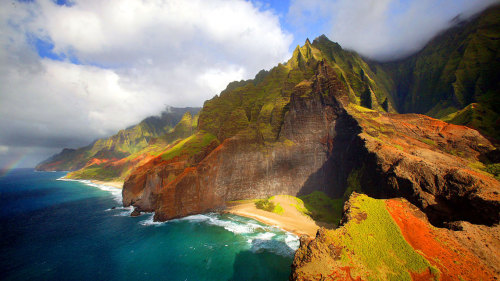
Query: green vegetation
[(183, 129), (269, 205), (256, 108), (478, 116), (189, 146), (369, 86), (97, 172), (320, 207), (429, 142), (259, 103), (123, 144), (353, 183), (455, 69), (493, 169), (371, 224)]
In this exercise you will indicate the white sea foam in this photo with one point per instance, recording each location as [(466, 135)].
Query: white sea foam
[(194, 218), (292, 241), (125, 211), (258, 237), (265, 236), (149, 221), (234, 226), (115, 192), (271, 245)]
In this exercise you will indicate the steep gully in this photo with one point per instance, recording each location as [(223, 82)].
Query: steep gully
[(323, 140)]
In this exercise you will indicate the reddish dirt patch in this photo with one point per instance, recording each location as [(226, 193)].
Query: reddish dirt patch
[(422, 276), (436, 245), (97, 161), (337, 274), (361, 216)]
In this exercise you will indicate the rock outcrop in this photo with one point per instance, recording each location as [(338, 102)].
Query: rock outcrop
[(392, 239), (313, 138), (433, 164), (324, 141)]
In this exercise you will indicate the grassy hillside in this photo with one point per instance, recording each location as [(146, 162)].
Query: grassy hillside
[(127, 141), (459, 67), (370, 246), (258, 105)]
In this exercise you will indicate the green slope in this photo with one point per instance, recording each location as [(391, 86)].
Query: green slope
[(458, 67), (258, 105), (126, 142)]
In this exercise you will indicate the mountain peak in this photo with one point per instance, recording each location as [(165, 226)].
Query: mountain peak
[(303, 54)]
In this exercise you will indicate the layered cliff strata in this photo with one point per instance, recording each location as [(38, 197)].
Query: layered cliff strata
[(246, 166), (325, 143), (433, 164)]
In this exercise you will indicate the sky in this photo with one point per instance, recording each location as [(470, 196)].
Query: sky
[(74, 71)]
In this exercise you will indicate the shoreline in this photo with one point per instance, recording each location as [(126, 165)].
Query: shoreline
[(271, 222), (291, 220), (115, 184)]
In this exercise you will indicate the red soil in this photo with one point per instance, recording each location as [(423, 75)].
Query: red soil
[(436, 245), (337, 276)]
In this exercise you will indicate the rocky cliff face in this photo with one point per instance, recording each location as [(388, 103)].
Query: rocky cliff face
[(457, 68), (313, 139), (433, 164), (325, 143)]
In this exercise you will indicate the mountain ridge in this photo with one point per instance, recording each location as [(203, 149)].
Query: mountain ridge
[(326, 120), (122, 144)]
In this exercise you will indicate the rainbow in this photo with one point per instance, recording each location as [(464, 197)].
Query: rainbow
[(13, 163)]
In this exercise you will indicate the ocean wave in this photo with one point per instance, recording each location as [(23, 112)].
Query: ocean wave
[(292, 241), (234, 224), (124, 211), (265, 236), (257, 236), (149, 221), (115, 192), (271, 245)]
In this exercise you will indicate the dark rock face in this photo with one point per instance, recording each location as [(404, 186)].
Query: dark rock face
[(430, 163), (314, 140), (135, 213), (323, 141), (244, 167)]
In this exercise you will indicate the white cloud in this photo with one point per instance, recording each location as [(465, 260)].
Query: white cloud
[(382, 29), (3, 149), (136, 58)]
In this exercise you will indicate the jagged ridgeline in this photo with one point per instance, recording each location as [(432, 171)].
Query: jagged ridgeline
[(260, 104), (456, 77), (112, 158)]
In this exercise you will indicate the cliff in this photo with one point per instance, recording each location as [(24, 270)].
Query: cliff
[(326, 143), (392, 240), (113, 158), (301, 128), (326, 121), (458, 67)]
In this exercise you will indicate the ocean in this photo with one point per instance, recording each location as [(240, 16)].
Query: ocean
[(51, 229)]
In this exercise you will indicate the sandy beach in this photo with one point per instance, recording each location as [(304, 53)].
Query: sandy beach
[(117, 184), (291, 220)]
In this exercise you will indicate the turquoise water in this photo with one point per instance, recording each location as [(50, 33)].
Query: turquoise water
[(65, 230)]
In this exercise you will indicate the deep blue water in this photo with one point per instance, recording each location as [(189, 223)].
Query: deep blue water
[(65, 230)]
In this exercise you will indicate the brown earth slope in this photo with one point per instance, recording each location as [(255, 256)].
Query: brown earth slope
[(392, 240)]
